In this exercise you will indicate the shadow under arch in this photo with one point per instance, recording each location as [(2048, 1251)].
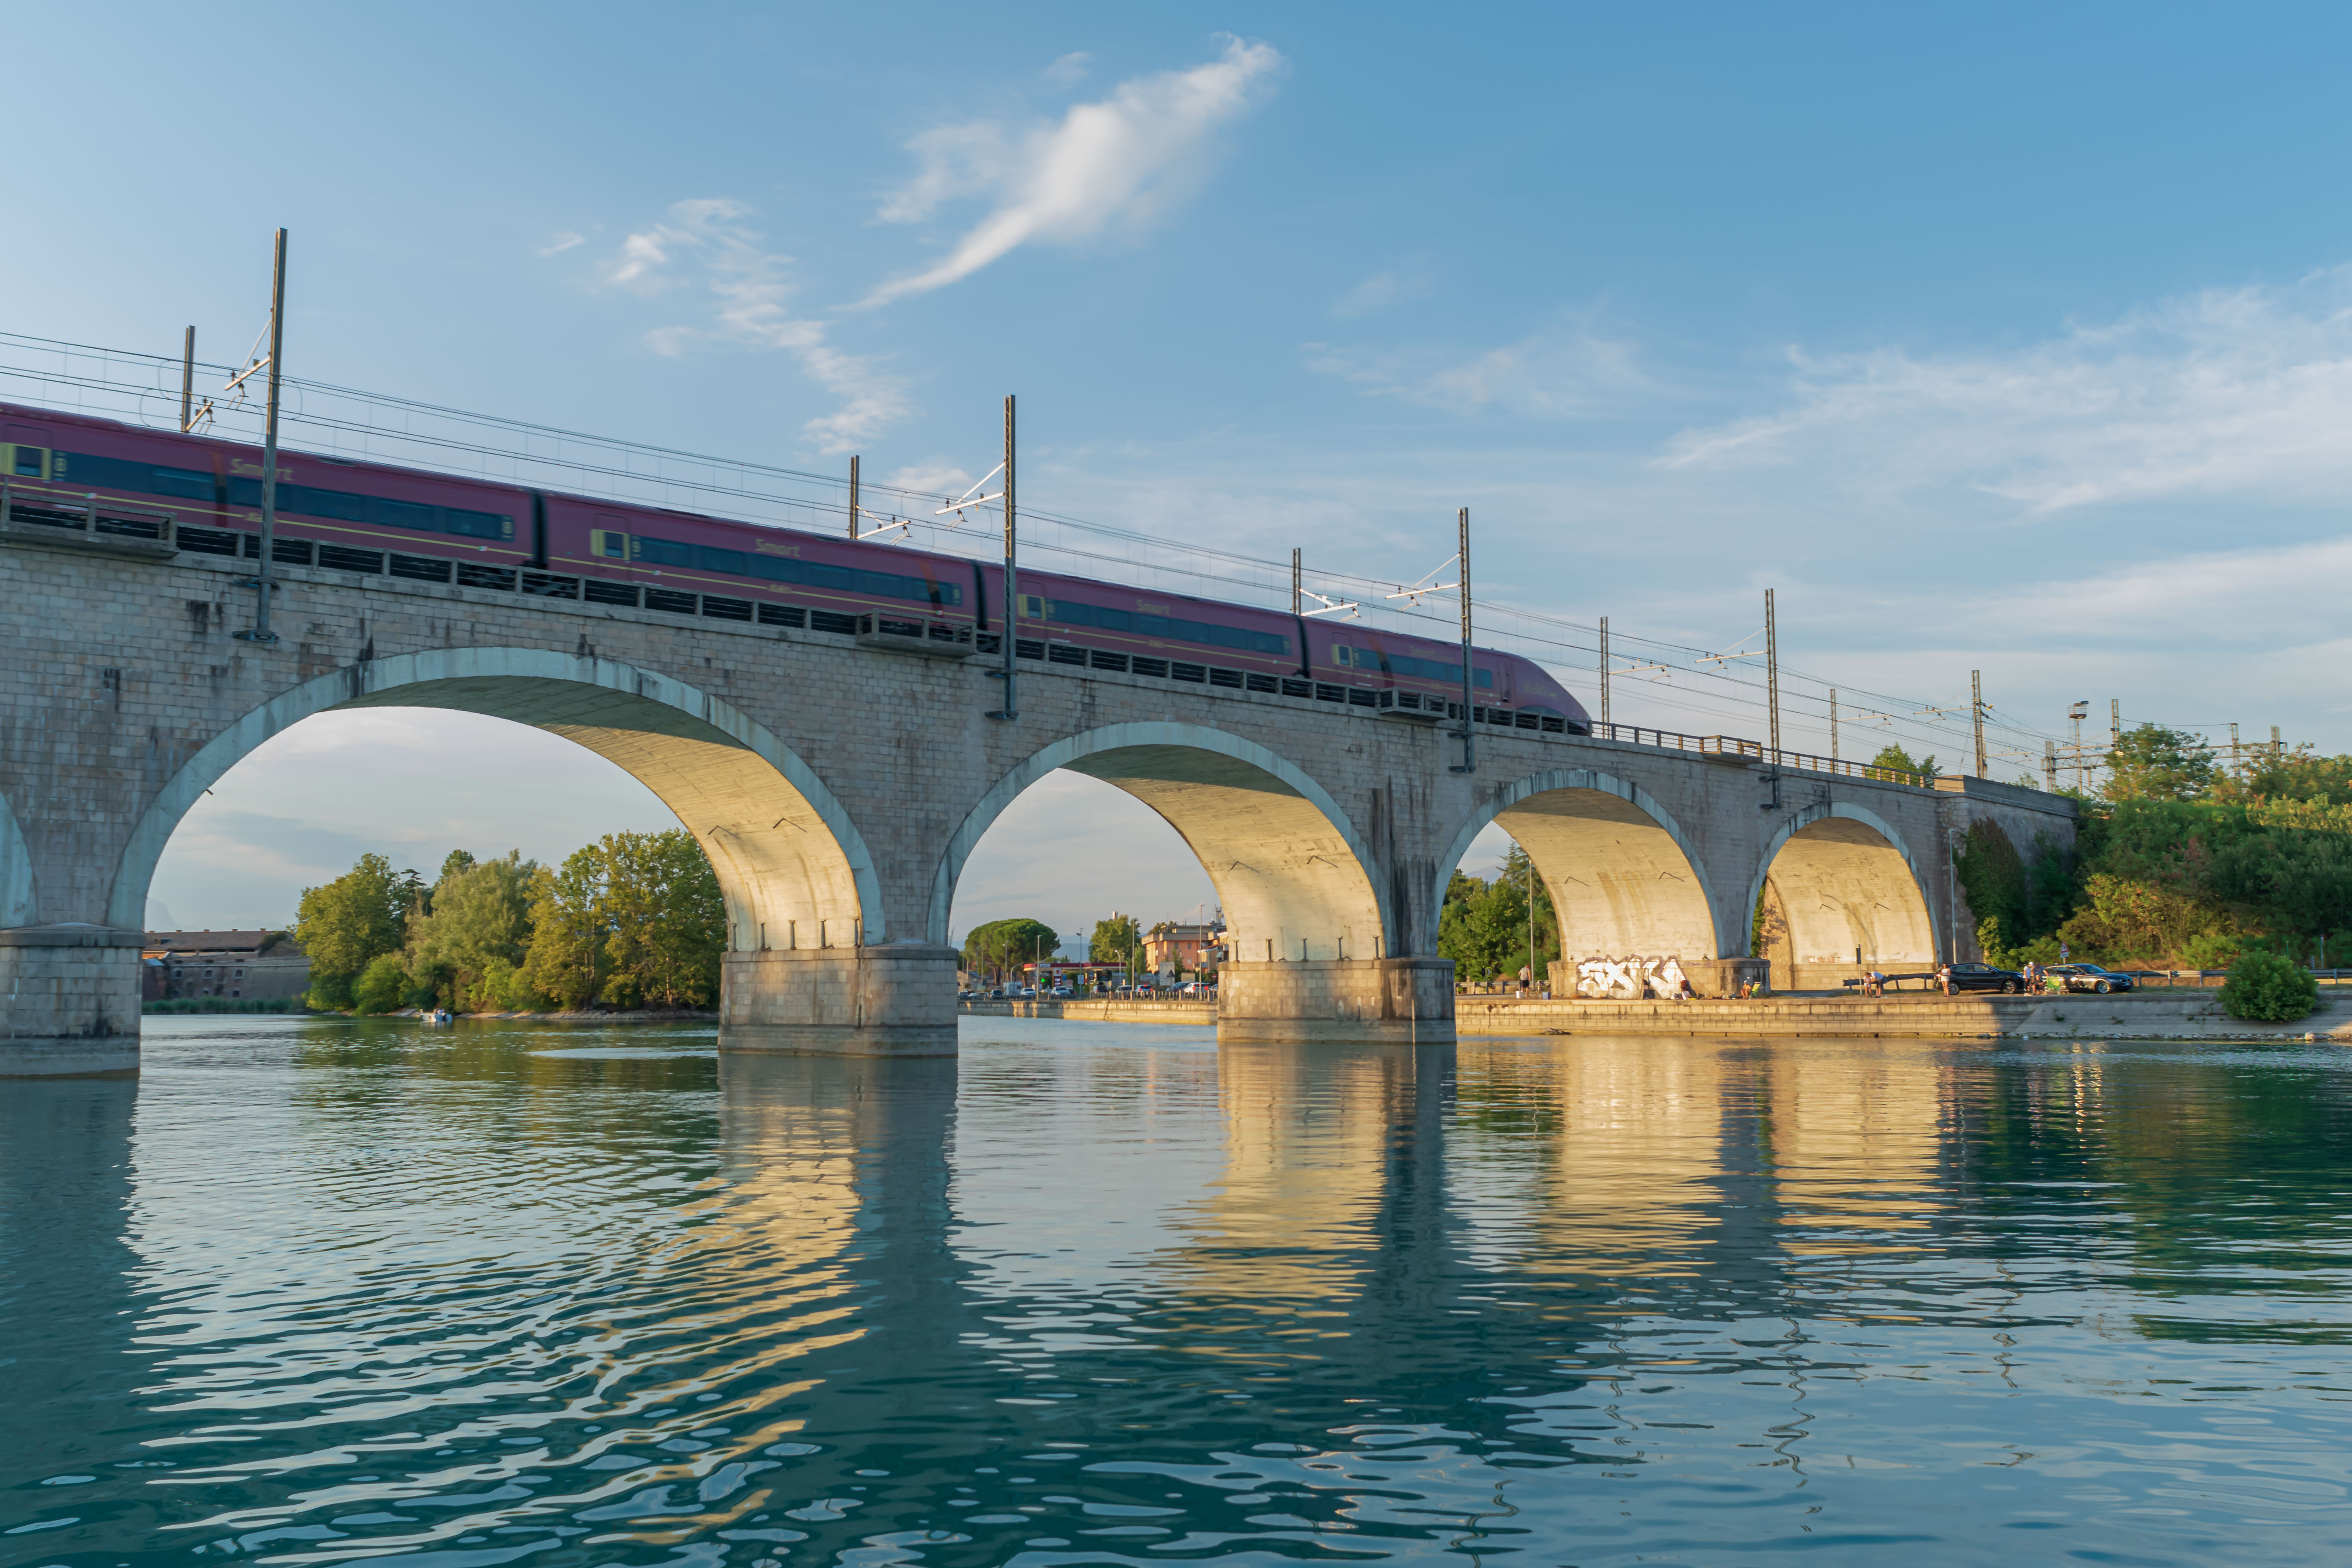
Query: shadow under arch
[(1846, 880), (1288, 867), (16, 891), (1625, 879), (787, 856)]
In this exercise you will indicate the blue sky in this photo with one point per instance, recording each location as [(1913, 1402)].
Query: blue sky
[(2014, 339)]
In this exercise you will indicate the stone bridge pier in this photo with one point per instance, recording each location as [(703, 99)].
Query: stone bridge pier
[(839, 790)]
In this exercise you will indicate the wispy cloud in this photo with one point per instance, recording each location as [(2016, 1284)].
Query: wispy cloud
[(561, 243), (1114, 165), (707, 241), (1071, 68), (1385, 290), (2222, 392), (1567, 373)]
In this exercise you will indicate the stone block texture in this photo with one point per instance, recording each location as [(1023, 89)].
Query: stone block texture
[(839, 790)]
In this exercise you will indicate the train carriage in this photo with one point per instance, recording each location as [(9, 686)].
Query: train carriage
[(202, 495)]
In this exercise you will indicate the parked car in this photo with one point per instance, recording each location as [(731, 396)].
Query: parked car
[(1061, 992), (2090, 977), (1985, 977)]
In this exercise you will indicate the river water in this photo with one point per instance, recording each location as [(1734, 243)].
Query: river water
[(317, 1291)]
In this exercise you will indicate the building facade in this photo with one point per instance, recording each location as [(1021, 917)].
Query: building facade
[(247, 965)]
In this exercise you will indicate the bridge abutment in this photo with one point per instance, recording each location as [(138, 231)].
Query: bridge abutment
[(893, 1000), (72, 998), (1375, 1000)]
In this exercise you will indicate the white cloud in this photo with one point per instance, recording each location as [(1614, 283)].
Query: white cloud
[(750, 289), (1071, 68), (1384, 291), (1571, 373), (1119, 164), (932, 479), (561, 243), (2218, 392)]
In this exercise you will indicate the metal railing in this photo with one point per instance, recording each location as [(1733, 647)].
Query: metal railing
[(1732, 746)]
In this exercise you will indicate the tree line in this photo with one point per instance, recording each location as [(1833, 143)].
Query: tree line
[(634, 920), (2180, 862)]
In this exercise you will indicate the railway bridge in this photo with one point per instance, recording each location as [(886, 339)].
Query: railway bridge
[(839, 780)]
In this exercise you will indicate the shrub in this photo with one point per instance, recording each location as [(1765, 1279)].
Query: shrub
[(329, 993), (381, 989), (2268, 988)]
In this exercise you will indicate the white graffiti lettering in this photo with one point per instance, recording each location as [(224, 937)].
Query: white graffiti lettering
[(1630, 979)]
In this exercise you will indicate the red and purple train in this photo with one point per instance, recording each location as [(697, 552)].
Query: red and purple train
[(204, 496)]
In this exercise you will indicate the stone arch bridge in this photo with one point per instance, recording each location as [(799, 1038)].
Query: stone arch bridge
[(840, 781)]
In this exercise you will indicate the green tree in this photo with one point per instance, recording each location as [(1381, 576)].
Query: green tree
[(568, 962), (1482, 926), (1000, 947), (1118, 940), (2268, 988), (665, 919), (1901, 761), (383, 986), (2152, 763), (2299, 775), (348, 923), (478, 914)]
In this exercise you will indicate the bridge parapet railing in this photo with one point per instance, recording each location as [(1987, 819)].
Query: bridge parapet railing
[(1733, 746), (81, 510)]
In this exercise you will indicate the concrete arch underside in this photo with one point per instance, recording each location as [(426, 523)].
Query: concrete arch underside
[(1289, 868), (1845, 883), (792, 866), (1624, 877)]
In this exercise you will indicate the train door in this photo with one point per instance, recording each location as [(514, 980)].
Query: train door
[(608, 540), (28, 453)]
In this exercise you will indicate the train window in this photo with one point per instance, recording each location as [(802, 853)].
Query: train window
[(608, 544), (714, 559), (382, 512), (29, 463), (1154, 626), (661, 552), (1342, 654), (118, 474)]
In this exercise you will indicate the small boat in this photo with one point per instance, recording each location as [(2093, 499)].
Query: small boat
[(433, 1015)]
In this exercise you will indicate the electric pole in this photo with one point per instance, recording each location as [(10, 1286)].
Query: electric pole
[(853, 495), (259, 631), (1469, 758), (1298, 584), (1975, 708), (188, 380), (1012, 709), (1604, 674)]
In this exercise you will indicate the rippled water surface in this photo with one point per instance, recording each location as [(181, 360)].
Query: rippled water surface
[(312, 1291)]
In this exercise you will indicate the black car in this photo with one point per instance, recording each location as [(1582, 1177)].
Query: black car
[(2090, 977), (1985, 977)]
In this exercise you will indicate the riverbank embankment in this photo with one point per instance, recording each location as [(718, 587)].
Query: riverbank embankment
[(2161, 1016), (1197, 1012), (2175, 1016)]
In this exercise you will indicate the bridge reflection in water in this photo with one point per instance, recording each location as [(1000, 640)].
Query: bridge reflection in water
[(351, 1291)]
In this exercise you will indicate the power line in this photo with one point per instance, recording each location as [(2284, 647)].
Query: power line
[(145, 388)]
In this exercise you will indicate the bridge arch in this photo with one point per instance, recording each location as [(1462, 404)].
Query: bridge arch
[(1846, 880), (1624, 878), (791, 864), (17, 893), (1289, 866)]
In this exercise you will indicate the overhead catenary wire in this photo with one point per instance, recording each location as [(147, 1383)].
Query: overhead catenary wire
[(345, 422)]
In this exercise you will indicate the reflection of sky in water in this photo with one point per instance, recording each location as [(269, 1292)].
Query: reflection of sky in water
[(317, 1292)]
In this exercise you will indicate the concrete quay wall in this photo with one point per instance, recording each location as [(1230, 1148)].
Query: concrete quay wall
[(2188, 1016)]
